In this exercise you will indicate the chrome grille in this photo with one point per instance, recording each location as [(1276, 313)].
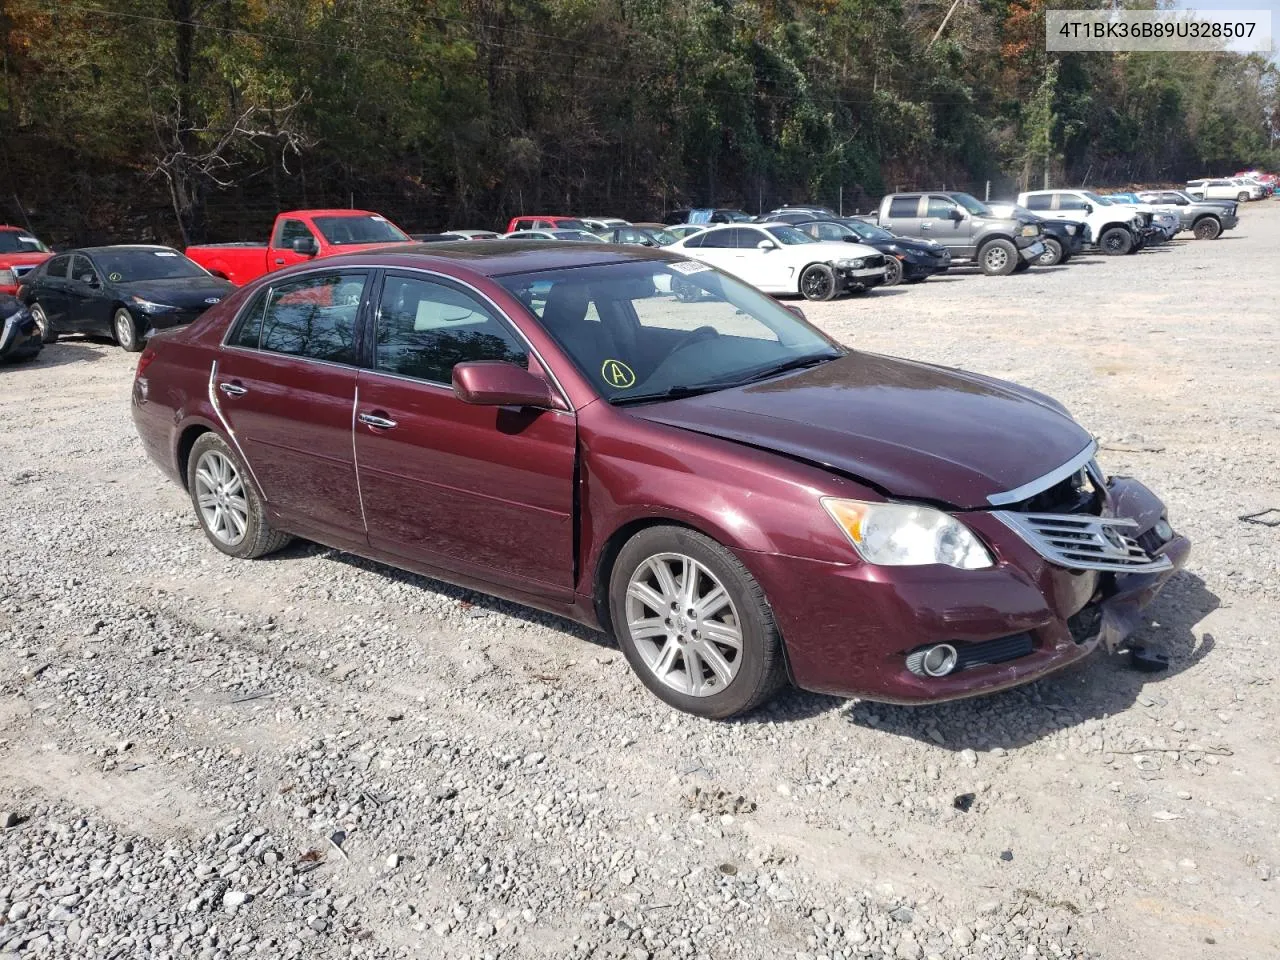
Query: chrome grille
[(1082, 542)]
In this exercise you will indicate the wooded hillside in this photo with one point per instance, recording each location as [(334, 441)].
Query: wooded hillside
[(199, 119)]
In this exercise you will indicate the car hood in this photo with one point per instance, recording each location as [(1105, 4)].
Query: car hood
[(910, 429), (904, 245), (184, 292), (830, 250), (23, 259)]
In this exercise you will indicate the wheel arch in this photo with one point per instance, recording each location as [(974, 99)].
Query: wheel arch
[(989, 237), (182, 449), (613, 545)]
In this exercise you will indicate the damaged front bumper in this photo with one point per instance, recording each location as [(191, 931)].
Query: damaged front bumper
[(852, 629)]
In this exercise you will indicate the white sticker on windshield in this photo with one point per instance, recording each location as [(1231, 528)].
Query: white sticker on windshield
[(379, 219), (688, 266), (22, 239), (165, 253)]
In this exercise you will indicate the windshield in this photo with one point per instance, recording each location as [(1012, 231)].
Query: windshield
[(1097, 199), (341, 231), (640, 329), (575, 235), (566, 223), (790, 235), (972, 204), (12, 241), (734, 216), (125, 266), (869, 231)]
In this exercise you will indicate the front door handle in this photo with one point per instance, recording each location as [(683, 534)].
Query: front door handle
[(279, 261), (233, 389), (373, 420)]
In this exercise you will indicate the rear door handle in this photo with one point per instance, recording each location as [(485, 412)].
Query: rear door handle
[(233, 389), (279, 261), (373, 420)]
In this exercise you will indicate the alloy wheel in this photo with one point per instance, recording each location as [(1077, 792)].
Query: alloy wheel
[(684, 624), (892, 271), (220, 495), (997, 258), (816, 284)]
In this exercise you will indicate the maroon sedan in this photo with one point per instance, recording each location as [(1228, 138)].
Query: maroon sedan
[(737, 498)]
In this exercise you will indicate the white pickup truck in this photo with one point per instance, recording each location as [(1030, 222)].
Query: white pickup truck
[(1115, 229)]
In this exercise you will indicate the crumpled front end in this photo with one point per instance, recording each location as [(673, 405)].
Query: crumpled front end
[(1076, 564)]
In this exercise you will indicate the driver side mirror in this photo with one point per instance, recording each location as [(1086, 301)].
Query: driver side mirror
[(1088, 208), (766, 245), (306, 246), (496, 383), (89, 279), (957, 214)]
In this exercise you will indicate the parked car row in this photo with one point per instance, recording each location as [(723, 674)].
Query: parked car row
[(1244, 186), (129, 292)]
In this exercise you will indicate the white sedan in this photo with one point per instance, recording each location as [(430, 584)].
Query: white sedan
[(778, 258)]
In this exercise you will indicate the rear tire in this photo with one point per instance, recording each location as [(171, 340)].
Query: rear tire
[(1207, 228), (126, 332), (998, 258), (227, 506), (1053, 253), (892, 271), (666, 647), (47, 333), (1242, 197), (818, 282), (1115, 242)]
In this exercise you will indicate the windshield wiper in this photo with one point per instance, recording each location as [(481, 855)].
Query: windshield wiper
[(671, 393), (785, 366)]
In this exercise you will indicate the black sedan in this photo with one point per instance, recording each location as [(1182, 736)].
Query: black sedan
[(19, 335), (123, 291), (905, 259)]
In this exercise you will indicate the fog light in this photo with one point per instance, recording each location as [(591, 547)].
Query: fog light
[(1163, 530), (935, 661)]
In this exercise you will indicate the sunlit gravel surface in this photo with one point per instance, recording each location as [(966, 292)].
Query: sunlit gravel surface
[(316, 756)]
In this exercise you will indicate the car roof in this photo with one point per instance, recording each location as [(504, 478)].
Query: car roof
[(496, 258), (122, 246), (334, 212)]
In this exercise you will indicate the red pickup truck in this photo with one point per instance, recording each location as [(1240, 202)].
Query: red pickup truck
[(20, 253), (297, 236)]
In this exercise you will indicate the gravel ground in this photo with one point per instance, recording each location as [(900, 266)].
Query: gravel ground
[(316, 756)]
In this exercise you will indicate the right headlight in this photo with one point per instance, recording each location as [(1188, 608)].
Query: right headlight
[(855, 264), (907, 535)]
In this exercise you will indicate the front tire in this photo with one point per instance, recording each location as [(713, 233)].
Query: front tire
[(1053, 253), (1115, 242), (818, 282), (47, 333), (125, 329), (1207, 228), (1023, 266), (998, 258), (227, 506), (892, 272), (694, 624)]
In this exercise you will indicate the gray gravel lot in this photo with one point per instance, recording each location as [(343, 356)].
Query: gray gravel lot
[(316, 756)]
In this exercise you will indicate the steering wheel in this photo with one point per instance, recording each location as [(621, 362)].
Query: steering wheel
[(694, 336)]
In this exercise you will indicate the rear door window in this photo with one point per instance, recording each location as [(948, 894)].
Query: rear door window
[(315, 317), (1040, 201), (718, 238), (425, 328), (901, 207), (57, 268)]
